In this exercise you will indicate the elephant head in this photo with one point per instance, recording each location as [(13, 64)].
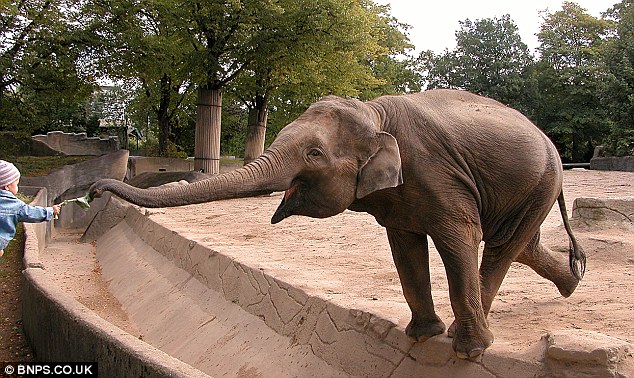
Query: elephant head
[(333, 154)]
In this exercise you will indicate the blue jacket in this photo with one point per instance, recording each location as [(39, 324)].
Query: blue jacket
[(12, 211)]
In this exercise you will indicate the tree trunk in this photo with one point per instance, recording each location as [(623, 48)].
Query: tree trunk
[(164, 132), (207, 138), (164, 121), (256, 133)]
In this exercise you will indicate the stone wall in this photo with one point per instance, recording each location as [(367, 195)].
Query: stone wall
[(72, 181), (154, 271), (79, 144), (611, 163), (139, 164), (60, 329)]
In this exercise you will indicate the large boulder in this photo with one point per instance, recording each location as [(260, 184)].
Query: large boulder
[(609, 212)]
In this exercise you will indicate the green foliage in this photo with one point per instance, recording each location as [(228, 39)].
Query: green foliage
[(150, 147), (24, 198), (314, 48), (14, 144), (394, 67), (42, 87), (579, 91), (286, 54), (618, 95), (41, 166), (141, 44), (489, 59), (234, 124), (571, 77)]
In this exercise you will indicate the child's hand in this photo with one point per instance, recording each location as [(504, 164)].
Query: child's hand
[(56, 209), (1, 252)]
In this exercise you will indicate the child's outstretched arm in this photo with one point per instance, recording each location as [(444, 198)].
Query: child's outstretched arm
[(35, 214)]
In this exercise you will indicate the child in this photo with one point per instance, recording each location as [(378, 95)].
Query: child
[(12, 210)]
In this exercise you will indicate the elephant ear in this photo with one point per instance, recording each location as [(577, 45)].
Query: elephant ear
[(383, 169)]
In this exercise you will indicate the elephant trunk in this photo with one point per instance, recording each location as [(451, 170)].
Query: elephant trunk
[(264, 175)]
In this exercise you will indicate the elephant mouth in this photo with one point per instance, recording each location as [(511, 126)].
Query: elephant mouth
[(289, 203)]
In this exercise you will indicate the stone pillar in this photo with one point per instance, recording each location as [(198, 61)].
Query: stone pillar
[(207, 142)]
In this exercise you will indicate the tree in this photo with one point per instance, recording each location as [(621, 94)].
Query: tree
[(489, 59), (394, 67), (316, 48), (223, 37), (44, 83), (618, 97), (140, 45), (570, 77)]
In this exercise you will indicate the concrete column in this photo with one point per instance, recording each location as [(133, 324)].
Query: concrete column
[(207, 142)]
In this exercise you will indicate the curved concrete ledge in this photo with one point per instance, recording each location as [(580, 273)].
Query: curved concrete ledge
[(60, 329), (78, 143), (202, 312), (155, 271)]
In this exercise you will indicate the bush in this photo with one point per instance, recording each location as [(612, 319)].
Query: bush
[(620, 143), (14, 143)]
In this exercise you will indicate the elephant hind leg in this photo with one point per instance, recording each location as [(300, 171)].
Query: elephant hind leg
[(549, 265), (497, 257), (496, 261)]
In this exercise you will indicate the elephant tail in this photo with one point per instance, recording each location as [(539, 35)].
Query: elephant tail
[(576, 256)]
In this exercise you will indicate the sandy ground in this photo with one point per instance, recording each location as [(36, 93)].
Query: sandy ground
[(74, 269), (347, 260)]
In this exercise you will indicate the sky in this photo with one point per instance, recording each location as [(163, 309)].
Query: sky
[(434, 23)]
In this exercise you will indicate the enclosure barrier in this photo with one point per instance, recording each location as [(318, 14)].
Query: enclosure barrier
[(352, 342), (60, 329)]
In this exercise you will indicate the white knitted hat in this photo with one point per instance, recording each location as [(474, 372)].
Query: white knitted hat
[(8, 173)]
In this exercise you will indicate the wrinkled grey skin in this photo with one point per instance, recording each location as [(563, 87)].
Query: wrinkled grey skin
[(448, 164)]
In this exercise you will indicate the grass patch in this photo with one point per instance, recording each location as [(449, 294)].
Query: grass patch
[(33, 166), (24, 198)]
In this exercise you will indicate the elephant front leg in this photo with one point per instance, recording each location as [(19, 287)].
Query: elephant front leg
[(411, 257), (470, 331)]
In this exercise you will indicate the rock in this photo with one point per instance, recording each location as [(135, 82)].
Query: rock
[(578, 353), (591, 210)]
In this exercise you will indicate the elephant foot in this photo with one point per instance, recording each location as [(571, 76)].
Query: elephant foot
[(567, 287), (421, 330), (470, 341)]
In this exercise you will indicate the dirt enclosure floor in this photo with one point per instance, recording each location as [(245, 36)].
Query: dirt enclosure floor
[(347, 260)]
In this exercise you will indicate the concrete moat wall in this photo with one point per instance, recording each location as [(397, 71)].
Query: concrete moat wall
[(60, 329), (154, 271)]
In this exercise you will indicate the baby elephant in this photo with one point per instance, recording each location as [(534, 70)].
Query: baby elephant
[(447, 164)]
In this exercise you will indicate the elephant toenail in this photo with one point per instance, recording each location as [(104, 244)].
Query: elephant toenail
[(462, 356), (475, 352)]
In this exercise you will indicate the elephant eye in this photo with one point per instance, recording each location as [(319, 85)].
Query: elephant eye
[(315, 152)]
